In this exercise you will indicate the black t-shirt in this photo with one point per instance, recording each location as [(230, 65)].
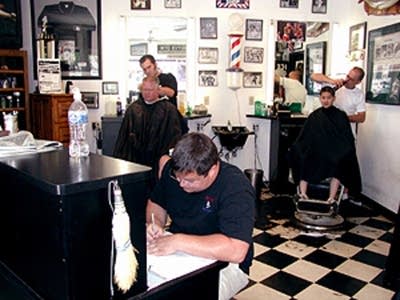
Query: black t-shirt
[(169, 80), (226, 207)]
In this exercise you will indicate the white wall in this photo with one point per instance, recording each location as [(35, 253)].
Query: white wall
[(377, 141)]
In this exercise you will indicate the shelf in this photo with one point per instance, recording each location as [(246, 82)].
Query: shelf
[(11, 72), (11, 109), (14, 63), (8, 90)]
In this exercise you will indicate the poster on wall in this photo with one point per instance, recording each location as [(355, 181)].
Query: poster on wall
[(49, 76), (383, 76)]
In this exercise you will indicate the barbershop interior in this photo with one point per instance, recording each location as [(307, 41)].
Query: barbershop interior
[(78, 227)]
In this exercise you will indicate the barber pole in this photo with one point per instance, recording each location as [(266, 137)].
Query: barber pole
[(235, 46)]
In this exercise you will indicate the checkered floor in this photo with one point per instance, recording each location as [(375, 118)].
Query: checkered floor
[(292, 264)]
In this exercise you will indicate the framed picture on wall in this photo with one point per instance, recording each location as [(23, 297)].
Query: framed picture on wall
[(78, 50), (315, 63), (357, 37), (289, 3), (172, 4), (208, 28), (208, 55), (254, 29), (91, 99), (139, 49), (383, 72), (10, 24), (253, 55), (243, 4), (319, 6), (208, 78), (140, 4), (252, 79), (110, 88)]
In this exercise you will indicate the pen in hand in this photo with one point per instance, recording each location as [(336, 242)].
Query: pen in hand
[(152, 222)]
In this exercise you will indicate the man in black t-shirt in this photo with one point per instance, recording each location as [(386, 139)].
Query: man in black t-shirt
[(210, 203)]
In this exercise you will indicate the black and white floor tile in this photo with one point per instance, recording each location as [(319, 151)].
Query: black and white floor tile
[(348, 264)]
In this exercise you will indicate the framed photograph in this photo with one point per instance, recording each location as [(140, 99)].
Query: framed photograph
[(289, 3), (91, 99), (172, 4), (319, 6), (252, 79), (254, 30), (208, 55), (208, 78), (78, 50), (315, 63), (10, 24), (253, 55), (357, 37), (208, 28), (138, 49), (383, 71), (140, 4), (241, 4), (110, 88)]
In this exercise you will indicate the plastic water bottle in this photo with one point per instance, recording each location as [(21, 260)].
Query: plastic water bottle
[(78, 120)]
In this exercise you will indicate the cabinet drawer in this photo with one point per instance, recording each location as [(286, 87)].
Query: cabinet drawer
[(60, 110)]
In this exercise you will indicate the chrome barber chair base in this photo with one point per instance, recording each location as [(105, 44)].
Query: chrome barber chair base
[(318, 222)]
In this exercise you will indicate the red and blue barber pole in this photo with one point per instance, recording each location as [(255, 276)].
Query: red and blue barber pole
[(235, 46)]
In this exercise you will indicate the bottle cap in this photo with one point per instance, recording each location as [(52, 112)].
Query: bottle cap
[(77, 93)]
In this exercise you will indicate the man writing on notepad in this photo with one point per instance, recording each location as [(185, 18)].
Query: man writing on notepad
[(210, 204)]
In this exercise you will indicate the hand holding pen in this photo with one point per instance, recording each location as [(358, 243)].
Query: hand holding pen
[(153, 230)]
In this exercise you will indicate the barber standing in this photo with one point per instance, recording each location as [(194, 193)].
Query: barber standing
[(168, 85)]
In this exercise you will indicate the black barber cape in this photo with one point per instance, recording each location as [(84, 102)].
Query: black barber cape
[(325, 148), (147, 132)]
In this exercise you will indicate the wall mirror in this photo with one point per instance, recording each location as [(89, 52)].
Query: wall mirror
[(163, 37), (292, 38)]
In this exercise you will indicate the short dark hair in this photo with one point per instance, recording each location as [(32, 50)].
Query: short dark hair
[(361, 73), (194, 152), (147, 57), (328, 89)]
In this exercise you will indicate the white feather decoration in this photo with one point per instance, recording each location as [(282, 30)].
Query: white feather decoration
[(125, 268)]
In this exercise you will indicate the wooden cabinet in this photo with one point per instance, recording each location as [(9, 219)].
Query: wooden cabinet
[(50, 116), (14, 87)]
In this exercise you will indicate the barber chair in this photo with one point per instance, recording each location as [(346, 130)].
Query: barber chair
[(315, 214)]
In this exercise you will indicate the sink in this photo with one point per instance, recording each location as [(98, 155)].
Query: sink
[(231, 139)]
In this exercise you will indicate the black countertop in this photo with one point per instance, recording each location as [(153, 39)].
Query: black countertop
[(59, 174)]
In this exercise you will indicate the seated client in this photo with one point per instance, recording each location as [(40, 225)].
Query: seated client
[(325, 148)]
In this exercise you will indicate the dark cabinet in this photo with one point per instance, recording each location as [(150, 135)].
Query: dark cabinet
[(50, 116), (56, 222)]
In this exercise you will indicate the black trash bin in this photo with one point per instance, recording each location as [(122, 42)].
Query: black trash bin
[(256, 179)]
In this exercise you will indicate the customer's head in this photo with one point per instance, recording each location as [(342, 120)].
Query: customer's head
[(148, 65), (296, 75), (195, 162), (149, 89), (327, 96)]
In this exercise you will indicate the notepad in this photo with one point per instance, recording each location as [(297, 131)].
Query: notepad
[(168, 267)]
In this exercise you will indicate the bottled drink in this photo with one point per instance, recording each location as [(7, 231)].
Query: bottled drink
[(78, 120)]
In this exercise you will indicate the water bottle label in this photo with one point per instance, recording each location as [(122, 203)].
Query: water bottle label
[(77, 117)]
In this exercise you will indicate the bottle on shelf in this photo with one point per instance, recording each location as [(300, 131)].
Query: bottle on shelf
[(17, 99), (78, 120)]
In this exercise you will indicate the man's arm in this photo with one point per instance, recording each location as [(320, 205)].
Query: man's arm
[(166, 91), (215, 246), (358, 118), (320, 78)]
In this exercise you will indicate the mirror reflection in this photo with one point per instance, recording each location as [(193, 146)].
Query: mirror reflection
[(291, 42), (163, 37)]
